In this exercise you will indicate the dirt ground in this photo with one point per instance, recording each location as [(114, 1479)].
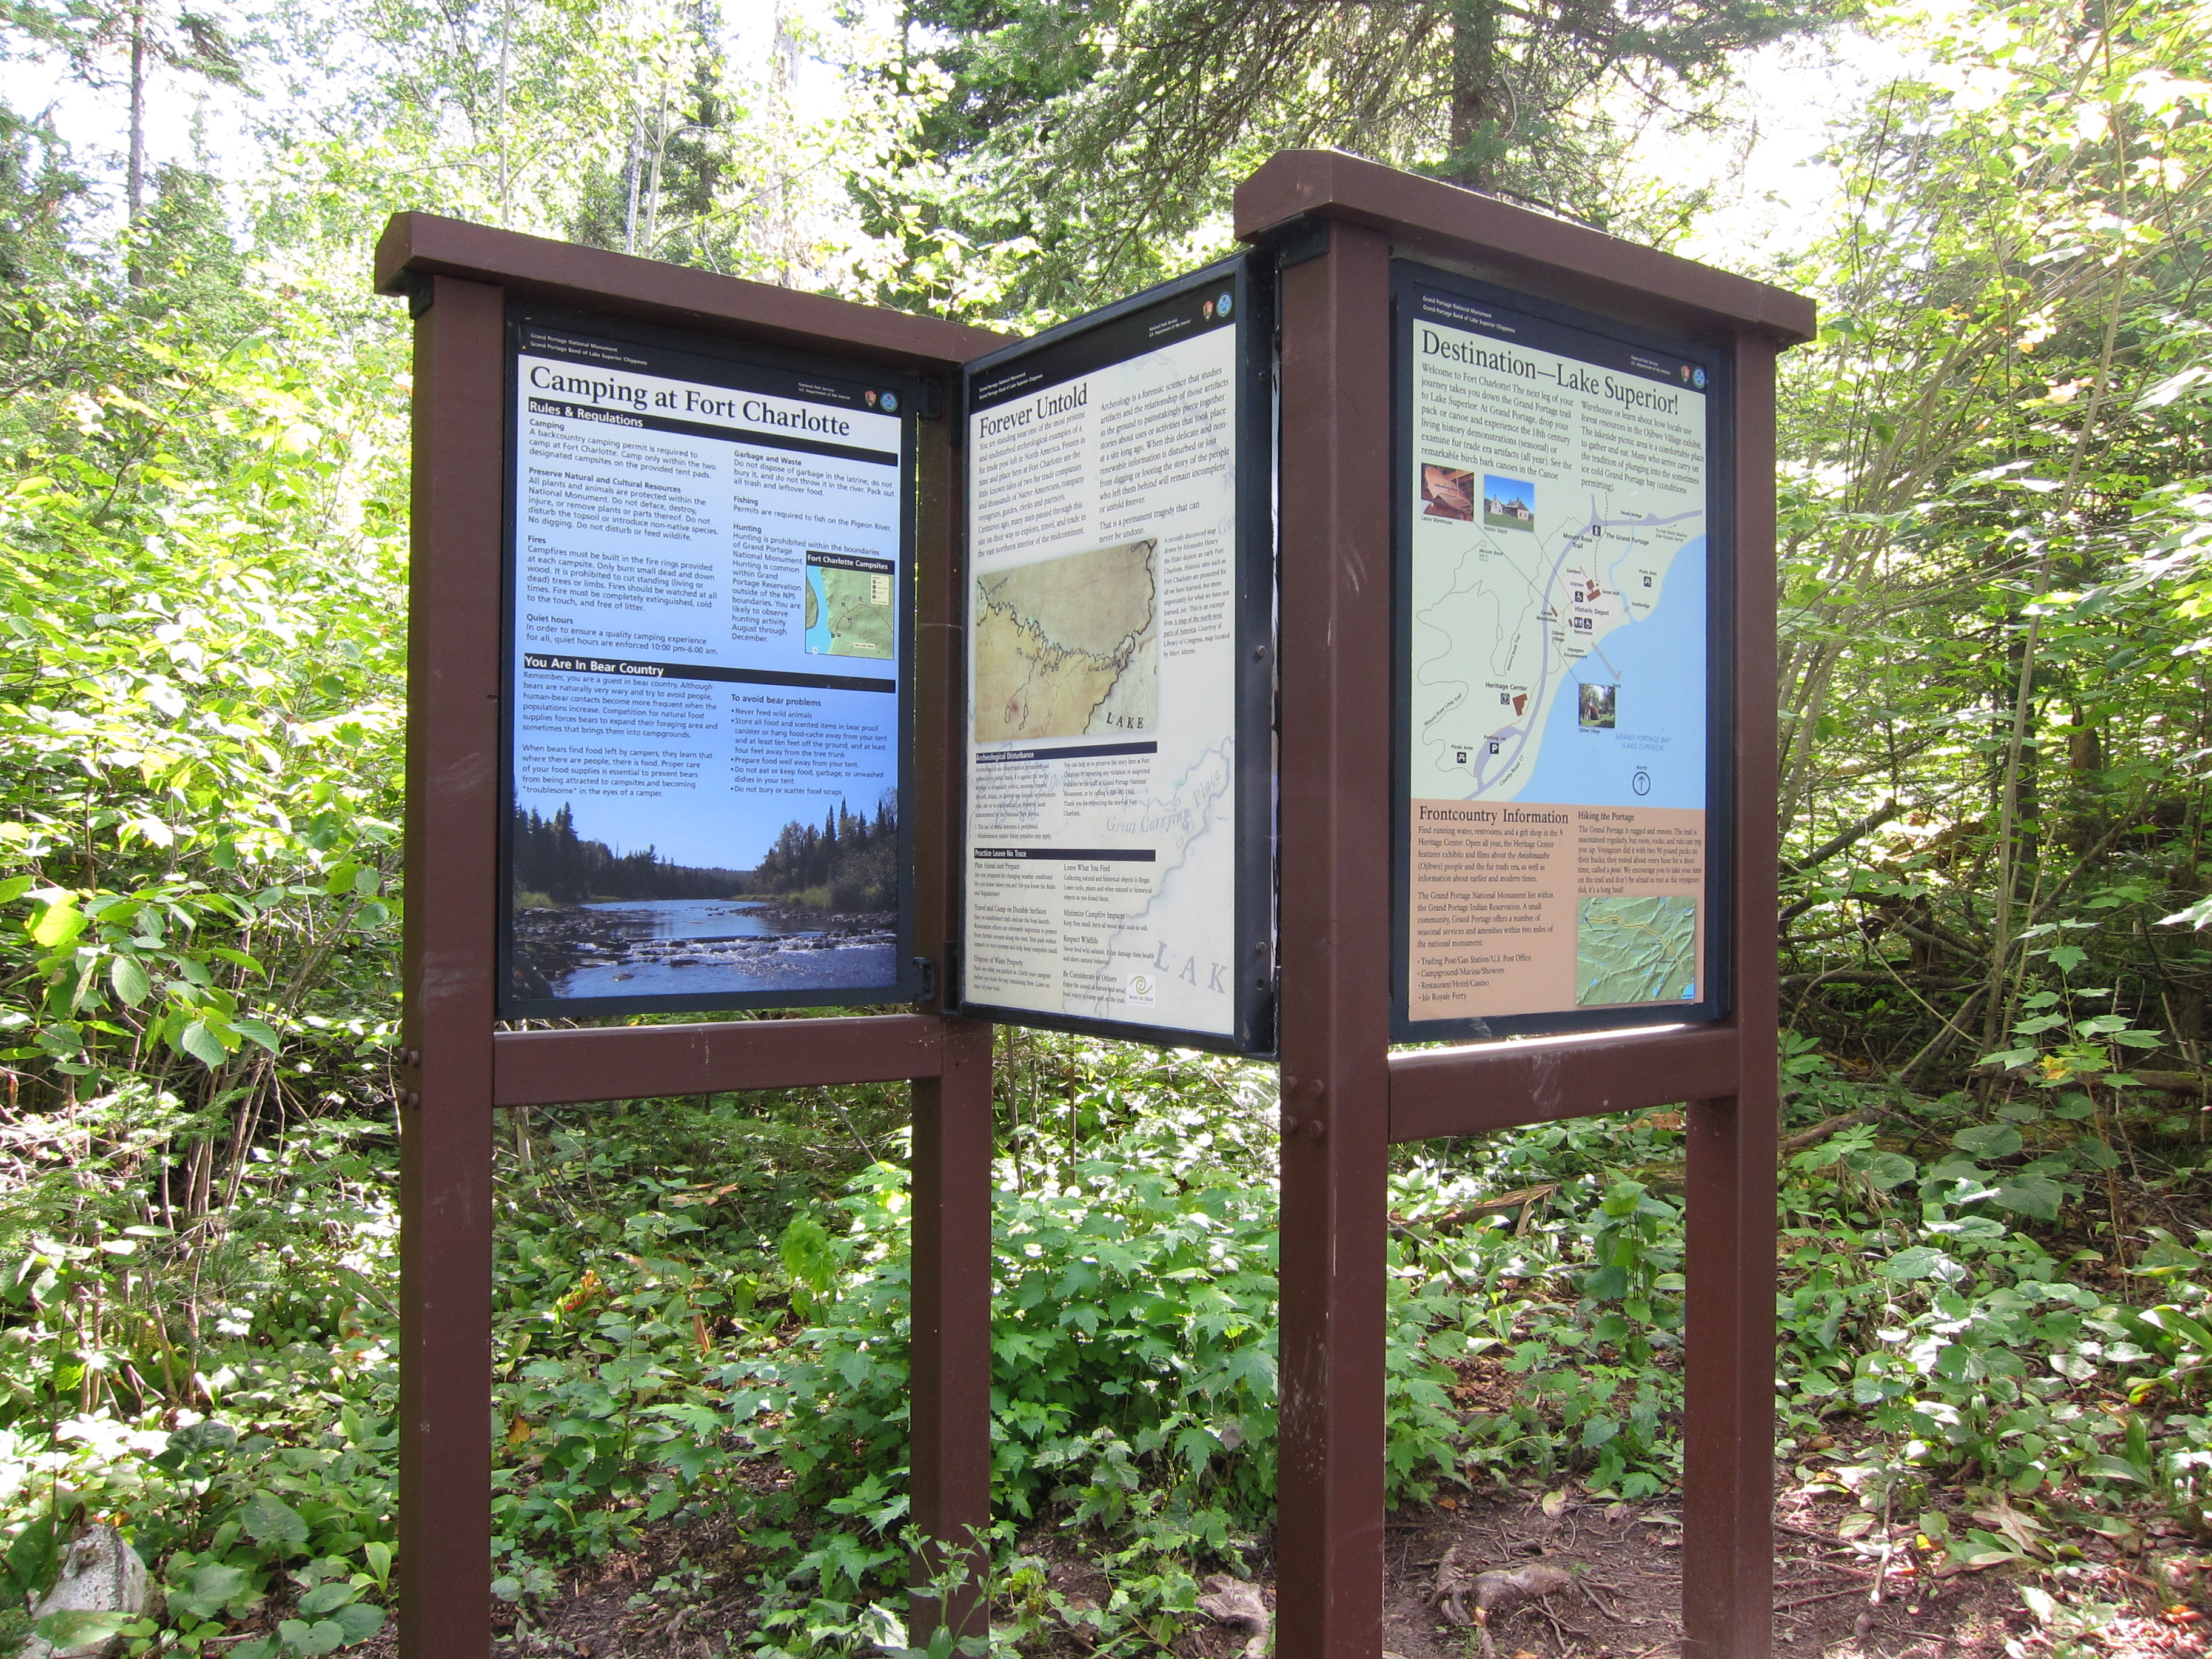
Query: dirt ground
[(2145, 1595), (1625, 1598)]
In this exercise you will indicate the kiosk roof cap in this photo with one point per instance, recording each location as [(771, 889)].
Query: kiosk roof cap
[(565, 273), (1439, 218)]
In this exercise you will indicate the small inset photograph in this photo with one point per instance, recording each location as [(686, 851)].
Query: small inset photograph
[(1595, 706), (1509, 503), (1446, 492)]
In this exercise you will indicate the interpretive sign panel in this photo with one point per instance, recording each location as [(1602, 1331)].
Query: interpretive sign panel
[(1119, 672), (1561, 646), (709, 585)]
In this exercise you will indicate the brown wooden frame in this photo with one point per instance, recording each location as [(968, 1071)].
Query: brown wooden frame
[(1345, 1097), (456, 1069), (1338, 222)]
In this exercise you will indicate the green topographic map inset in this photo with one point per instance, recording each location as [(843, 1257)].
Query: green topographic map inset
[(1636, 950), (858, 605)]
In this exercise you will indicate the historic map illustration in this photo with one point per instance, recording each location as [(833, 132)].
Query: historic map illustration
[(1069, 646)]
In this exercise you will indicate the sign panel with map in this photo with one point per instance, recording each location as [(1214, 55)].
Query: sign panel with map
[(1561, 729), (708, 584), (1120, 668)]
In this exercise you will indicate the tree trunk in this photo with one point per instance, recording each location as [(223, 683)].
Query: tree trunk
[(506, 32), (134, 187), (1478, 131)]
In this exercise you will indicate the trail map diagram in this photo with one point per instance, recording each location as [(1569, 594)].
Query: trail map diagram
[(1521, 621), (1069, 646), (1635, 950), (859, 607), (1558, 703)]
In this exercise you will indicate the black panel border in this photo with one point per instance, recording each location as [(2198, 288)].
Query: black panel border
[(904, 986), (1716, 974)]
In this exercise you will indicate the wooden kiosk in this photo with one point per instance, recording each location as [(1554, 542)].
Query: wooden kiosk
[(1330, 227), (1338, 223)]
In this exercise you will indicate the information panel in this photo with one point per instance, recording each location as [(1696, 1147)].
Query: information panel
[(1119, 673), (709, 589), (1561, 698)]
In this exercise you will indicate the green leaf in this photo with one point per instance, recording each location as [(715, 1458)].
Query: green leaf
[(201, 1043), (1919, 1261), (57, 924), (2175, 1322), (77, 1627), (324, 1636), (2088, 1149), (2067, 957), (1988, 1140), (324, 1597), (128, 975), (209, 1587), (2032, 1194), (2105, 1466), (2167, 1256), (1889, 1170), (359, 1620), (268, 1519), (255, 1032)]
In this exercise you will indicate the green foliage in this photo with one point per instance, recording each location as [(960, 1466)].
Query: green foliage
[(1996, 585), (1027, 117)]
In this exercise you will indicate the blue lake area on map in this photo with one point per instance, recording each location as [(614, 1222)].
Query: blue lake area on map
[(817, 636), (1660, 709)]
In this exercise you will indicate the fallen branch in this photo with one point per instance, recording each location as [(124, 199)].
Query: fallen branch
[(1836, 844), (1232, 1601), (1490, 1590), (1517, 1198), (1825, 1595), (1821, 1131)]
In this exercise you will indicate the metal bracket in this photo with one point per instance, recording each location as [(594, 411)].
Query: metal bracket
[(1300, 240), (418, 288), (925, 973)]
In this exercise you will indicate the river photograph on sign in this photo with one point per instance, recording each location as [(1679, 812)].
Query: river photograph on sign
[(1554, 670), (709, 568), (1109, 702)]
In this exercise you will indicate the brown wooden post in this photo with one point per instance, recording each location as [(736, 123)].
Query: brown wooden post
[(949, 1356), (1727, 1453), (1336, 861), (451, 893)]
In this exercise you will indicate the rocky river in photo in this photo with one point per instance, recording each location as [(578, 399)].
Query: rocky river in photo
[(694, 947)]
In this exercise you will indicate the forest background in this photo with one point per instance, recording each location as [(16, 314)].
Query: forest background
[(1997, 563)]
